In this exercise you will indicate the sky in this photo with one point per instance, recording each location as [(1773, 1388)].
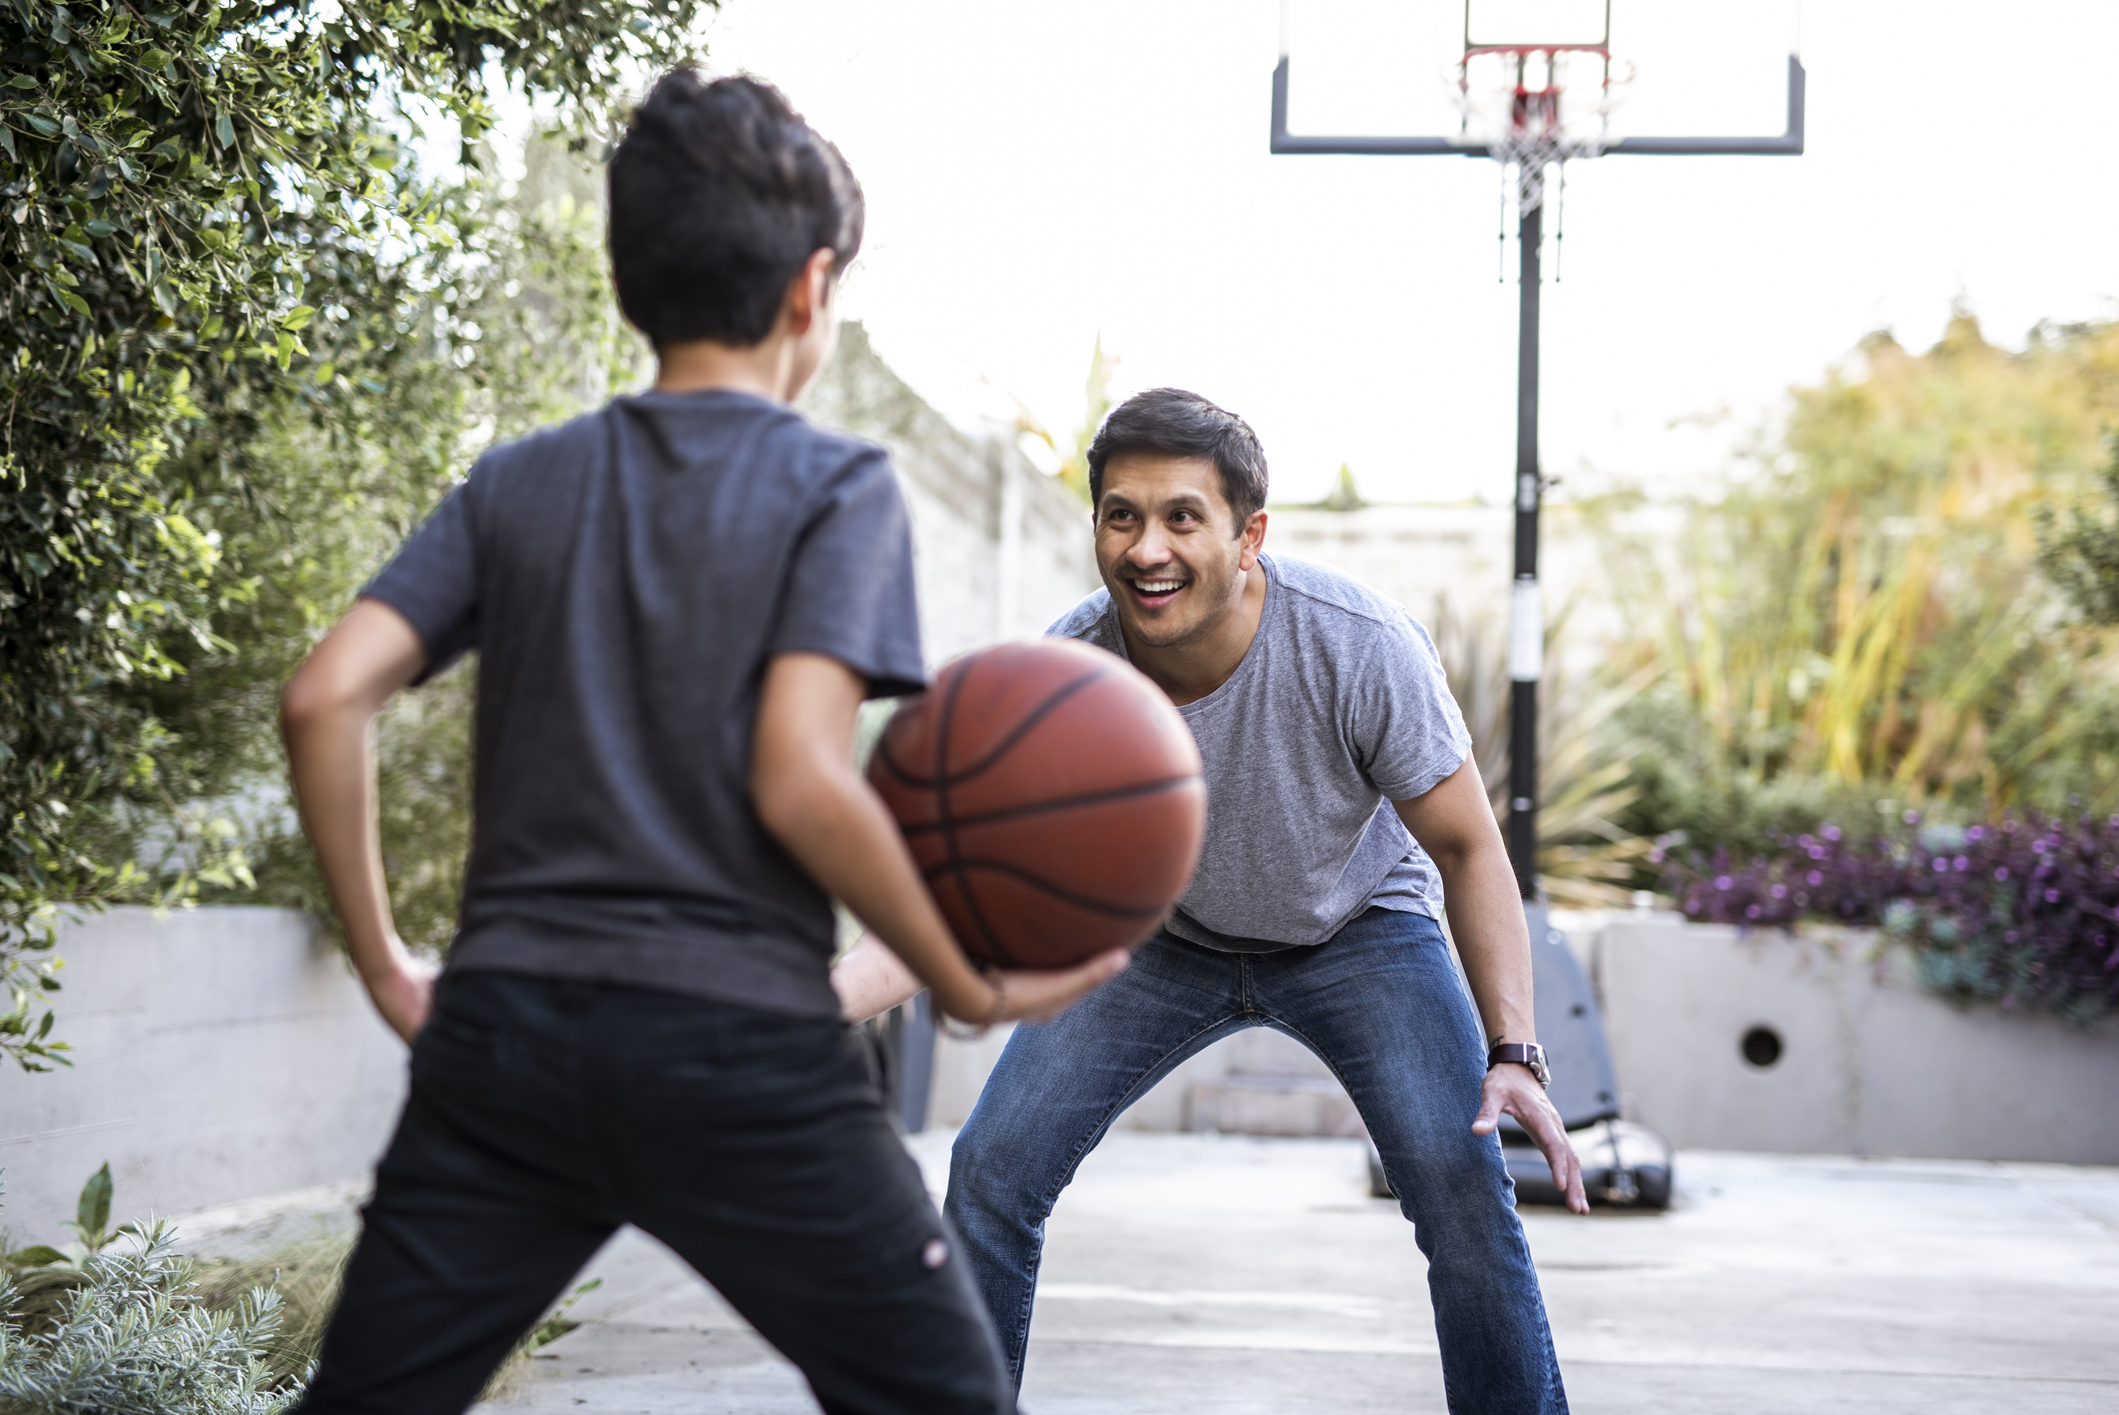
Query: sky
[(1042, 175)]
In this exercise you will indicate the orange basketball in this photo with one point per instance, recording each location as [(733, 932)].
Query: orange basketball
[(1052, 797)]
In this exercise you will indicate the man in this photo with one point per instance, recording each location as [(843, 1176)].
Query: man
[(679, 602), (1342, 804)]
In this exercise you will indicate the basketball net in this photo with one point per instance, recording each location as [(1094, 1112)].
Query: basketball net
[(1515, 99)]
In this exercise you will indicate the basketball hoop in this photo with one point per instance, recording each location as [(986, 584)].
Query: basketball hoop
[(1516, 101)]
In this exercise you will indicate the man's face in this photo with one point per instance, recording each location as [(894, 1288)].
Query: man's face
[(1169, 548)]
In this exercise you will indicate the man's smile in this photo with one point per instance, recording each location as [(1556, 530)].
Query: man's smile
[(1154, 591)]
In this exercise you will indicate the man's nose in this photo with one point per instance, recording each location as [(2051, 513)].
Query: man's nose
[(1152, 549)]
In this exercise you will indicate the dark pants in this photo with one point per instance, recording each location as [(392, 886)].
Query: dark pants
[(543, 1114), (1380, 1003)]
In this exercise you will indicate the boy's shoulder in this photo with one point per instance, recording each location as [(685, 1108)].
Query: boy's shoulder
[(680, 428)]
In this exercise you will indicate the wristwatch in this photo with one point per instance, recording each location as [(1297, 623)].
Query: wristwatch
[(1531, 1055)]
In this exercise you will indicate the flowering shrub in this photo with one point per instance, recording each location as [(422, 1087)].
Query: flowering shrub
[(2024, 910)]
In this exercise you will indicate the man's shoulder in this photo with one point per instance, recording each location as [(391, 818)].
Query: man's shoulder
[(1319, 592), (1090, 620)]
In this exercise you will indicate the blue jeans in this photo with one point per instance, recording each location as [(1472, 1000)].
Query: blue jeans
[(1381, 1004)]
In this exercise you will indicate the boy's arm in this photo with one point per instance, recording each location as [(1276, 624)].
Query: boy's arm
[(816, 804), (1454, 823), (326, 715)]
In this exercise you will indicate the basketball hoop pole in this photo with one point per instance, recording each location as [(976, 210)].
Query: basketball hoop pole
[(1526, 619)]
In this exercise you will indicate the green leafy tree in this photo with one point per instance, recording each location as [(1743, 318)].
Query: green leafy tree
[(203, 207)]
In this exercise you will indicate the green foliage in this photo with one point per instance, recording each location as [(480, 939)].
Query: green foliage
[(210, 222), (2079, 549), (1857, 622), (126, 1331)]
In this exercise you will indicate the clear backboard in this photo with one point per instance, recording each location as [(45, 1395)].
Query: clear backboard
[(1664, 77)]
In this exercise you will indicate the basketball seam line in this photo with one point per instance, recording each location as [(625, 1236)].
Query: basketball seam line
[(941, 795), (958, 864), (1063, 803), (1001, 749)]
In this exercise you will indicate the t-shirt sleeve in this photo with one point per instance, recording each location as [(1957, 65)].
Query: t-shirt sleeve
[(433, 582), (1407, 731), (851, 594)]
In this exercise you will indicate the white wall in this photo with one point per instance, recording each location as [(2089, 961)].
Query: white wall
[(218, 1054), (1872, 1065)]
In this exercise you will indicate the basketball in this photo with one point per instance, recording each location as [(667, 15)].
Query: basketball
[(1052, 797)]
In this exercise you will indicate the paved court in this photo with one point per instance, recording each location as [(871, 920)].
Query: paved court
[(1208, 1275)]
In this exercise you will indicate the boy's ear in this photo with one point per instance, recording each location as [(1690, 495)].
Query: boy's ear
[(809, 293)]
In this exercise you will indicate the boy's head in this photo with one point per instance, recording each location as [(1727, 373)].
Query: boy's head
[(1179, 487), (720, 195)]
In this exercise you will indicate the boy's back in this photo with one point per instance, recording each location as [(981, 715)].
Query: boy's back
[(625, 578), (679, 604)]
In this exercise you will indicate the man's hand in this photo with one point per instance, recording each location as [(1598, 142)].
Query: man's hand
[(1511, 1090)]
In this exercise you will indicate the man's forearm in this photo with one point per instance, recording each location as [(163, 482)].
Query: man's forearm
[(1486, 920), (870, 979)]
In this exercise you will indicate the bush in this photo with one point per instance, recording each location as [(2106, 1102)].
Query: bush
[(2024, 910)]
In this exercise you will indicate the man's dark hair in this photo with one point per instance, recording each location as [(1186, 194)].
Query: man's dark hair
[(719, 193), (1174, 423)]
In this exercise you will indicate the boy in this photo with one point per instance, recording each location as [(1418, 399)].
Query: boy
[(1341, 800), (679, 603)]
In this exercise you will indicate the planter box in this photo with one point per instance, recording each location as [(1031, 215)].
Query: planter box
[(218, 1054), (1868, 1062)]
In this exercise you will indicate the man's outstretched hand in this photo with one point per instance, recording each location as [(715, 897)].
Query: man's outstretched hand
[(1511, 1090)]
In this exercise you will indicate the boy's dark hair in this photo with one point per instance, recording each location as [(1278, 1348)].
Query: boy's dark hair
[(1175, 423), (719, 193)]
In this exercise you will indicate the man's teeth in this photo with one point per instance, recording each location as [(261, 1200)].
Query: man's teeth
[(1158, 586)]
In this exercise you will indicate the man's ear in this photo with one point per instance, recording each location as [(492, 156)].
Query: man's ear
[(1253, 539), (809, 293)]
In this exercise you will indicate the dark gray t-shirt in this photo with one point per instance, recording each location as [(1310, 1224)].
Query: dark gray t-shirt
[(624, 578), (1339, 708)]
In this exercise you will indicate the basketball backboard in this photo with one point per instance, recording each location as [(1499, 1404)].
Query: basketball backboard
[(1432, 76)]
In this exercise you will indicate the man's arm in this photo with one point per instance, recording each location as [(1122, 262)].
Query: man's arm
[(816, 804), (870, 979), (327, 715), (1454, 823)]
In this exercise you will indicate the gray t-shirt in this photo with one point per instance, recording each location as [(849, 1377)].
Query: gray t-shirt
[(1338, 708), (624, 578)]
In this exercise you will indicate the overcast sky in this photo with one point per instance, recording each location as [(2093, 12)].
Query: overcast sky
[(1039, 174)]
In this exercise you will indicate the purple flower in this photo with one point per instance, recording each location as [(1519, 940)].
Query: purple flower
[(1779, 891), (1830, 832), (2002, 873), (1723, 881), (1960, 864)]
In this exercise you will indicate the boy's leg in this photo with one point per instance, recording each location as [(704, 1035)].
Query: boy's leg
[(482, 1209), (1382, 1005), (1057, 1088), (761, 1152)]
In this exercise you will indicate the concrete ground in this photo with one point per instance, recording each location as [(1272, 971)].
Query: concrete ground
[(1210, 1275)]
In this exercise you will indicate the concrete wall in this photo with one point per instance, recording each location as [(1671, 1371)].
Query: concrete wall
[(218, 1054), (1870, 1063), (1002, 549)]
